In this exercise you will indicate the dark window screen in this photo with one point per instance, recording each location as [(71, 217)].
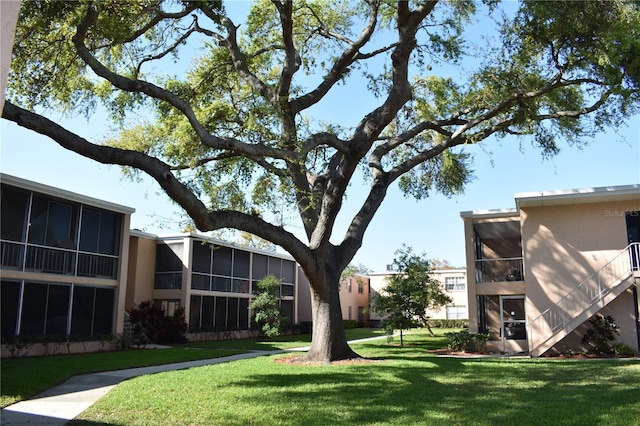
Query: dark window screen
[(13, 211), (275, 267), (168, 258), (259, 267), (222, 261), (82, 310), (221, 312), (207, 313), (10, 295), (89, 231), (201, 261), (103, 316), (232, 313), (34, 305), (58, 309)]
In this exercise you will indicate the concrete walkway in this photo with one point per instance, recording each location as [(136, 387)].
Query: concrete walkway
[(64, 402)]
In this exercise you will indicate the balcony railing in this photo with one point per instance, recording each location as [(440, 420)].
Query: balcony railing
[(499, 270), (54, 260)]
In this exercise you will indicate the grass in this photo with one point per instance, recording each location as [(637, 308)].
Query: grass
[(405, 386), (23, 378)]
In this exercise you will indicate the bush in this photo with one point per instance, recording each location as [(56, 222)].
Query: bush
[(601, 335), (465, 341), (150, 324), (620, 349), (449, 323), (348, 324)]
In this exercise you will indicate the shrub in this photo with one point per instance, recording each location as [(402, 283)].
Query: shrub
[(465, 341), (620, 349), (348, 324), (601, 335), (150, 324), (449, 323)]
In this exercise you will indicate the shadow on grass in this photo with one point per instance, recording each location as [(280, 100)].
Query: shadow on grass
[(433, 390)]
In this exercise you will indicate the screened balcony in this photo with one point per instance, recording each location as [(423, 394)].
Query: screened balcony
[(498, 251)]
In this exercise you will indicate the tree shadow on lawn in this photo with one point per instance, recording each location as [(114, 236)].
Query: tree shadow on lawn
[(433, 390)]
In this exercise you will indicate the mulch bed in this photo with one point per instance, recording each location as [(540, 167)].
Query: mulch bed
[(298, 360)]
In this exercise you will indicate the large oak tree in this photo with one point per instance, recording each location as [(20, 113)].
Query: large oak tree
[(235, 134)]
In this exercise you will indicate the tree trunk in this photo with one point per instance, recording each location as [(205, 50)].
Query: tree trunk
[(328, 339)]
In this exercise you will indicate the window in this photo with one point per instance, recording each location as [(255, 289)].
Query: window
[(201, 258), (241, 264), (52, 223), (455, 283), (275, 267), (99, 232), (13, 210), (360, 313), (350, 314), (169, 306), (10, 299), (457, 312), (259, 267), (222, 257), (360, 287), (92, 311), (349, 285), (168, 266)]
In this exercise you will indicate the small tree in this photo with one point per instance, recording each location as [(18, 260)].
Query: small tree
[(266, 307), (409, 294)]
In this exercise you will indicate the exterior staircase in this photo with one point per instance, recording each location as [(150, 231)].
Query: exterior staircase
[(585, 300)]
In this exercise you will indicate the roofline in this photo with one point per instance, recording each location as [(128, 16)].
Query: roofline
[(64, 194), (487, 214), (213, 240), (578, 196)]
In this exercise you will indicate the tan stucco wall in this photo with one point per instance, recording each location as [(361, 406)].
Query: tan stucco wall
[(140, 279), (354, 299), (378, 281), (563, 245)]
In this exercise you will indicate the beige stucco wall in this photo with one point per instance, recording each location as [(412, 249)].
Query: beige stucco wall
[(563, 245), (140, 279), (378, 281)]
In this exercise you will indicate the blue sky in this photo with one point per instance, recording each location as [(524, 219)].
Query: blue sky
[(432, 226)]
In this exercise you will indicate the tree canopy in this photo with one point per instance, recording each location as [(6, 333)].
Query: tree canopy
[(224, 112)]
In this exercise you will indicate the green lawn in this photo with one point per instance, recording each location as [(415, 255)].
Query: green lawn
[(405, 386), (22, 378)]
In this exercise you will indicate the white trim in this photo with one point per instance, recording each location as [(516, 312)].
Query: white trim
[(578, 196)]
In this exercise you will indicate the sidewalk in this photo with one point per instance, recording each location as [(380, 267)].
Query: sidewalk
[(58, 405), (62, 403)]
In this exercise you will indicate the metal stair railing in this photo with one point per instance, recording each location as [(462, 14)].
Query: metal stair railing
[(586, 295)]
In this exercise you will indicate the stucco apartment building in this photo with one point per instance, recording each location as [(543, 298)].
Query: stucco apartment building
[(454, 285), (69, 265), (354, 299), (537, 273)]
